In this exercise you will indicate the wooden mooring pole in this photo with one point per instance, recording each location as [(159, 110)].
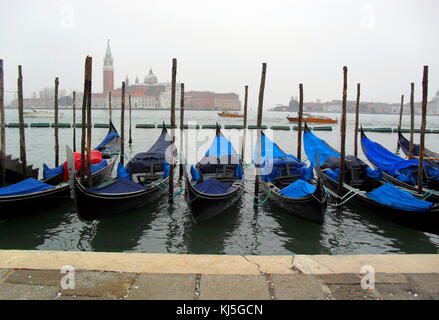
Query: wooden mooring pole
[(74, 120), (109, 105), (412, 117), (130, 140), (259, 130), (56, 124), (423, 125), (172, 166), (89, 171), (2, 128), (401, 111), (21, 122), (343, 133), (244, 137), (122, 125), (357, 121), (299, 129), (87, 83), (181, 171)]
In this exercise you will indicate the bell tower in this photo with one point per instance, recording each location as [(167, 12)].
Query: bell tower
[(108, 70)]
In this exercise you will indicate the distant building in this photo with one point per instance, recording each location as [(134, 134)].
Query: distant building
[(151, 94), (212, 101)]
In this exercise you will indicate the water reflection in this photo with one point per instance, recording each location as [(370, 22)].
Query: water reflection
[(353, 230), (33, 230), (209, 237), (122, 233), (299, 235)]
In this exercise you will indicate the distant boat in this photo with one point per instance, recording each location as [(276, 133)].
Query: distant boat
[(41, 114), (312, 119), (231, 115)]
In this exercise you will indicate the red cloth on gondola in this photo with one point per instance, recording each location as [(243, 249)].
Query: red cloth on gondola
[(95, 157)]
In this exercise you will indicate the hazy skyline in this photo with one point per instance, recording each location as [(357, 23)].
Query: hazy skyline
[(220, 46)]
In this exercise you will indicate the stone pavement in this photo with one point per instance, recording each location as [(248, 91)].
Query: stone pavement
[(146, 277), (106, 285)]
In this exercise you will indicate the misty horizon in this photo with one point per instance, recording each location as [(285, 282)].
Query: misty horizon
[(221, 48)]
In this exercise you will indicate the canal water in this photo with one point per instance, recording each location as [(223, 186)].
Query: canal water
[(246, 230)]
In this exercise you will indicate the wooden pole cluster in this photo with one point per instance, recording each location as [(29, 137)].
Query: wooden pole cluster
[(21, 121), (171, 173), (74, 120), (357, 120), (259, 129), (122, 125), (2, 129), (412, 117), (299, 129), (343, 133), (181, 130), (130, 140), (245, 122), (56, 124), (85, 106), (423, 125)]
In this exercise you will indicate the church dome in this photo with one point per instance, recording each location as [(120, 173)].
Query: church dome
[(150, 78)]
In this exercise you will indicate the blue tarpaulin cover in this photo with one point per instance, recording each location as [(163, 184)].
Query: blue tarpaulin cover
[(273, 159), (119, 185), (166, 170), (298, 189), (196, 174), (390, 195), (110, 136), (122, 171), (156, 155), (270, 150), (98, 166), (313, 144), (272, 168), (50, 173), (220, 147), (27, 186), (374, 174), (239, 172), (384, 159), (212, 186), (332, 174)]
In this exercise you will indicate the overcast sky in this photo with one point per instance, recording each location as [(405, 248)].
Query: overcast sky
[(220, 45)]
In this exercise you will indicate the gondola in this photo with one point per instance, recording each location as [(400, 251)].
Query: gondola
[(364, 188), (216, 182), (401, 172), (290, 184), (32, 195), (138, 183), (405, 147)]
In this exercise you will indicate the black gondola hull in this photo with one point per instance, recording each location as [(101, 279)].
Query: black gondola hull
[(92, 206), (312, 207), (422, 221), (14, 206), (204, 206)]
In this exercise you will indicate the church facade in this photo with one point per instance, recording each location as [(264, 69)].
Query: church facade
[(148, 94), (151, 94)]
